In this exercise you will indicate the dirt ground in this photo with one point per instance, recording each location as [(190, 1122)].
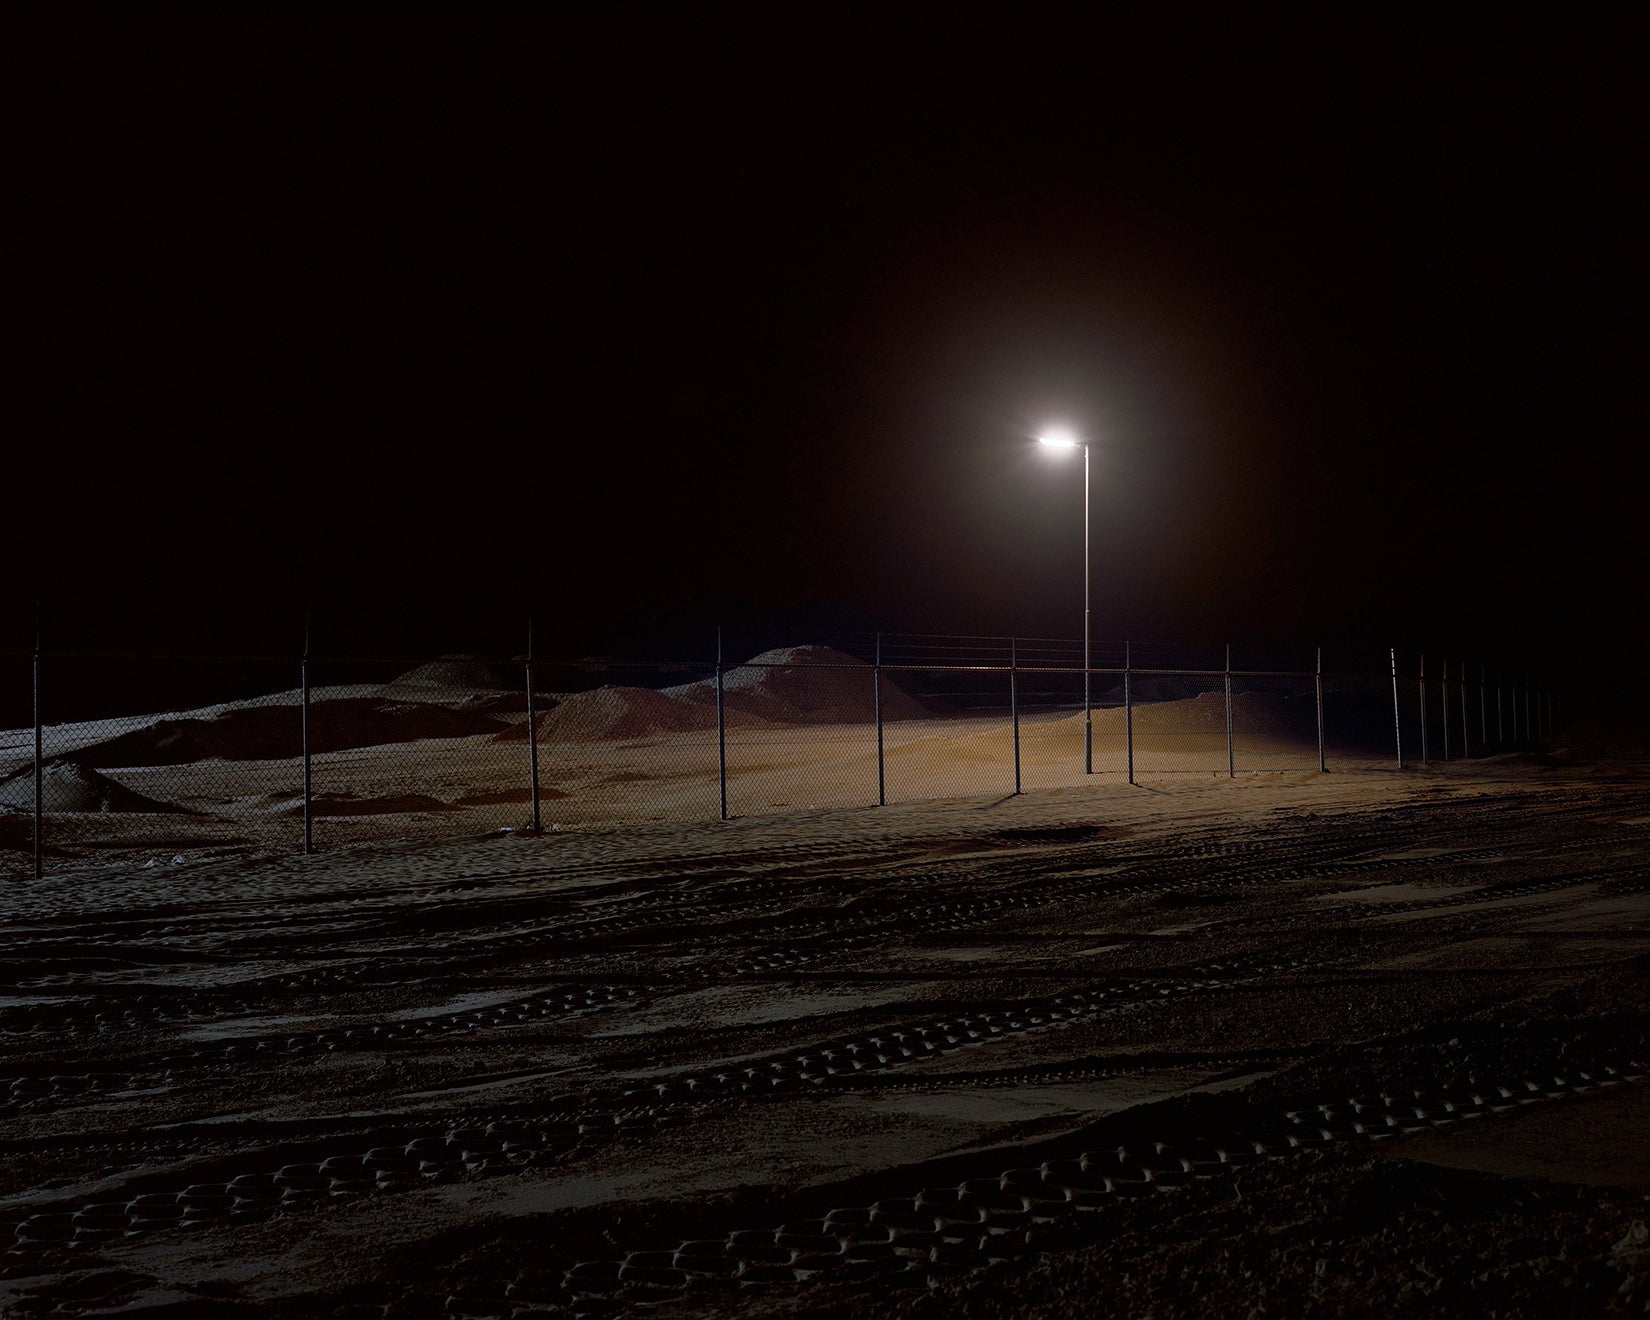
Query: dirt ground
[(1349, 1043)]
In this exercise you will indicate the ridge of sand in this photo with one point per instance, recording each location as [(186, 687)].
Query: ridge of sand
[(70, 786), (805, 685), (263, 733)]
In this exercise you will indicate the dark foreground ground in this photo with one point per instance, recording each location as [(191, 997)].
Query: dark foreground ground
[(1290, 1044)]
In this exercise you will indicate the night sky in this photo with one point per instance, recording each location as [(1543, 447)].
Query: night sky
[(643, 319)]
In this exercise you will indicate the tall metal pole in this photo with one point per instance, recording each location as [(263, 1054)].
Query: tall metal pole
[(1014, 707), (721, 728), (1321, 766), (303, 728), (882, 783), (1500, 719), (1484, 703), (532, 734), (39, 742), (1128, 705), (1088, 710), (1397, 721), (1231, 762)]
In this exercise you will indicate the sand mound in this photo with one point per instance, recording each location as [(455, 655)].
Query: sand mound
[(615, 712), (1254, 714), (67, 786), (505, 703), (804, 685), (265, 733), (465, 672)]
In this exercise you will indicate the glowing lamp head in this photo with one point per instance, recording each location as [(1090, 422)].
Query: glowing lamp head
[(1058, 439)]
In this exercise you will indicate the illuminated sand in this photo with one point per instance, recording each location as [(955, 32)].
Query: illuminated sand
[(622, 1036), (424, 786)]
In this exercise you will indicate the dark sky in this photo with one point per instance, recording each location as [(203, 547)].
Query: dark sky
[(638, 319)]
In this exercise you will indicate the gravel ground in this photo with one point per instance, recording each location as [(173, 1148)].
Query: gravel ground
[(1294, 1043)]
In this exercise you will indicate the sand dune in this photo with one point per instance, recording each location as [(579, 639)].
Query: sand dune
[(1254, 713), (261, 733), (791, 685), (614, 713), (463, 672), (67, 786)]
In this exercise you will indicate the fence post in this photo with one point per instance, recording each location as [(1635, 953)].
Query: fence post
[(1466, 739), (1423, 682), (876, 679), (721, 728), (1397, 719), (1443, 701), (1128, 704), (1319, 685), (1231, 763), (39, 743), (1500, 714), (1014, 706), (1528, 736), (303, 726), (532, 735), (1484, 703)]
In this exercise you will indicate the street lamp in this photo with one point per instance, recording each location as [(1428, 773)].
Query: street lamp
[(1062, 439)]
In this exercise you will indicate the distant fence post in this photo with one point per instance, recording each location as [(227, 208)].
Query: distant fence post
[(1231, 762), (303, 733), (1443, 701), (1014, 706), (1500, 714), (1397, 719), (1318, 684), (1466, 736), (721, 729), (39, 742), (532, 736), (1483, 704), (876, 702), (1128, 704), (1423, 683)]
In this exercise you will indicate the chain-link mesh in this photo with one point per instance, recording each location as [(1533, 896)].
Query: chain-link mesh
[(801, 730), (148, 759), (1274, 722), (946, 733), (399, 749), (16, 761), (629, 742), (204, 769)]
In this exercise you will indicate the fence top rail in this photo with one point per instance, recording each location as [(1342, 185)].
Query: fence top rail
[(1470, 676)]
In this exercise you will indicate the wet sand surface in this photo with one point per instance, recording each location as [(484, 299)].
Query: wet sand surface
[(1293, 1042)]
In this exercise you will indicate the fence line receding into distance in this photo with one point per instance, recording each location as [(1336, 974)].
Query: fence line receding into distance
[(377, 749)]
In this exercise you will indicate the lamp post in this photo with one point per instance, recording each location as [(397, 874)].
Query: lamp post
[(1065, 440)]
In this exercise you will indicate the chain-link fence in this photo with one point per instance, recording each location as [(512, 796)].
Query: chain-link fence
[(318, 753)]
